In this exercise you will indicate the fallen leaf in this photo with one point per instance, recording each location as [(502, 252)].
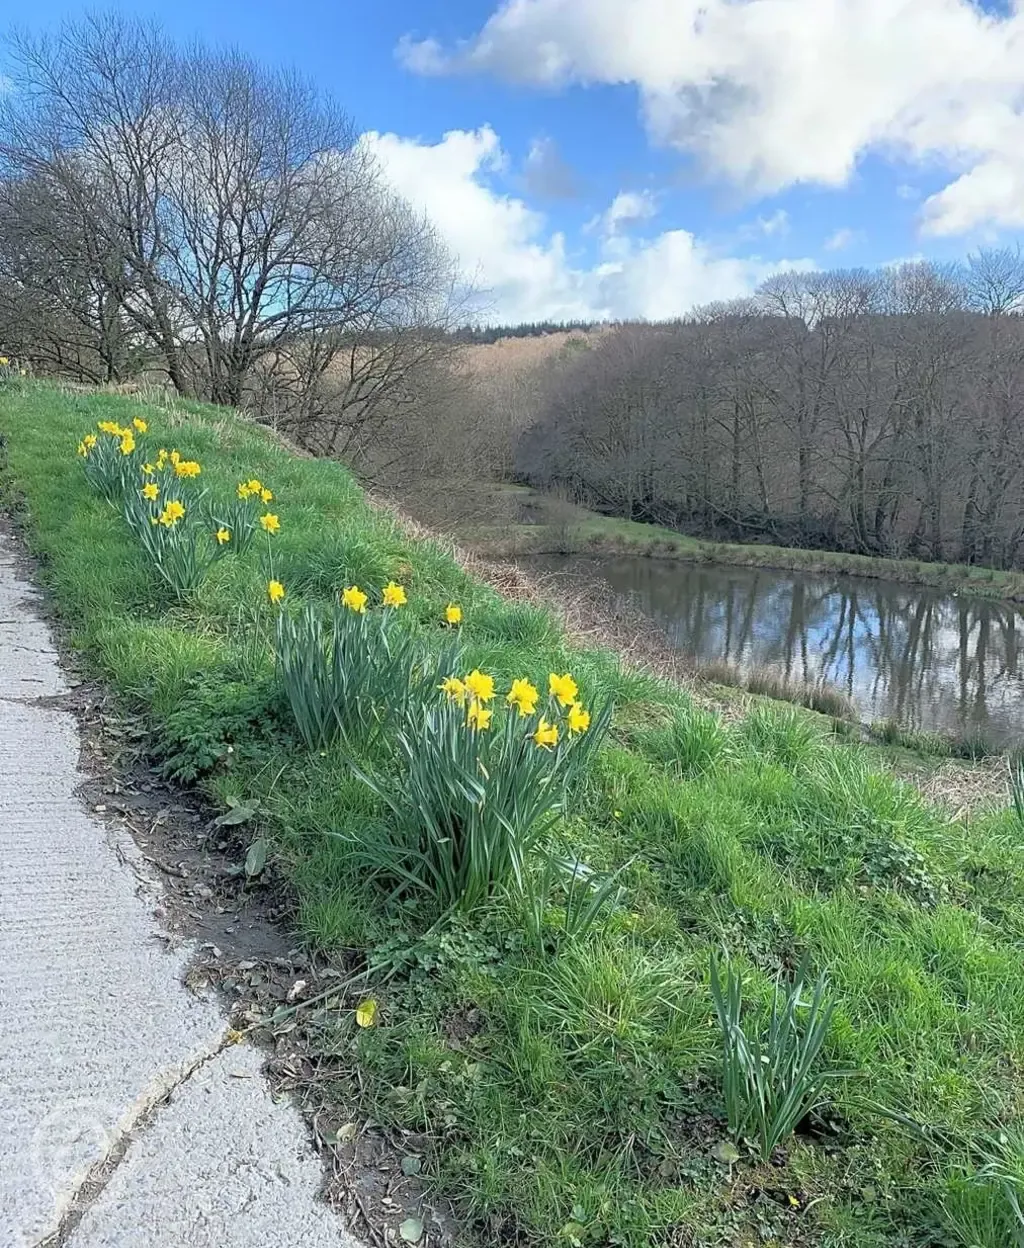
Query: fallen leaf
[(726, 1152), (411, 1165), (295, 989), (238, 812), (256, 858), (411, 1230), (366, 1013)]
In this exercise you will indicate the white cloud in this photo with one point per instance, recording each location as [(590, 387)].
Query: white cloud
[(770, 93), (627, 208), (777, 223), (842, 238), (524, 270)]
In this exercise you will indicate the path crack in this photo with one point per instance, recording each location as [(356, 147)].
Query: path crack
[(137, 1119)]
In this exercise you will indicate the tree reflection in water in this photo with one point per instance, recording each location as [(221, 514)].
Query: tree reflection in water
[(927, 660)]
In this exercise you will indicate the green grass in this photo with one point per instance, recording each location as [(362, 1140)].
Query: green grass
[(570, 1094)]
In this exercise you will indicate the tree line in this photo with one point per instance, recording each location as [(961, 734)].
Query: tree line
[(875, 412), (191, 215)]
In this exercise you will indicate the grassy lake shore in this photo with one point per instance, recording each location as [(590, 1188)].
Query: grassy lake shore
[(564, 528)]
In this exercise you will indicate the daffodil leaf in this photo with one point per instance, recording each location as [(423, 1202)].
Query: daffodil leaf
[(366, 1013)]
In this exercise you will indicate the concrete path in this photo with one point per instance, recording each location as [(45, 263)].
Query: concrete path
[(97, 1030)]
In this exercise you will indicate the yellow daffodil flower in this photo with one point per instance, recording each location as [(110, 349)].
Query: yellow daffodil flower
[(140, 425), (255, 487), (148, 470), (455, 689), (270, 523), (354, 598), (563, 688), (266, 496), (151, 492), (83, 450), (394, 595), (175, 458), (523, 696), (127, 443), (111, 427), (223, 536), (89, 441), (480, 685), (546, 735), (453, 614), (4, 361), (478, 716), (171, 514), (275, 591), (186, 468), (243, 491), (579, 719)]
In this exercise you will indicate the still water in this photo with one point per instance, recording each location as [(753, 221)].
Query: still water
[(932, 661)]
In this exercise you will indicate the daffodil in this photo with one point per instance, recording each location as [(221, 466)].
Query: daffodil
[(579, 719), (223, 536), (4, 361), (478, 716), (243, 491), (546, 734), (161, 460), (455, 689), (89, 441), (480, 685), (453, 614), (175, 458), (523, 696), (140, 425), (354, 598), (563, 688), (186, 468), (111, 427), (266, 496), (83, 450), (270, 522), (394, 595), (171, 514), (275, 591), (151, 492), (148, 470), (255, 486), (127, 443)]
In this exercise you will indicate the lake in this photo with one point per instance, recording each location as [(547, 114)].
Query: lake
[(928, 660)]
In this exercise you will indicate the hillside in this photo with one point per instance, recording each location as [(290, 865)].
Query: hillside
[(533, 1017)]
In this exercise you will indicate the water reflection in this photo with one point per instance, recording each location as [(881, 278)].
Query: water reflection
[(930, 661)]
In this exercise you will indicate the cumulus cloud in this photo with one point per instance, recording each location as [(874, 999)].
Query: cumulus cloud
[(524, 270), (772, 93), (626, 209)]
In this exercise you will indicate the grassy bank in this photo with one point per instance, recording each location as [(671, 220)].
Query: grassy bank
[(563, 528), (568, 1089)]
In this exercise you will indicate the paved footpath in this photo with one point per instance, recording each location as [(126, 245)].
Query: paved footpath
[(126, 1118)]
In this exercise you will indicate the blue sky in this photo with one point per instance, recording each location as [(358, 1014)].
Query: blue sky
[(610, 158)]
